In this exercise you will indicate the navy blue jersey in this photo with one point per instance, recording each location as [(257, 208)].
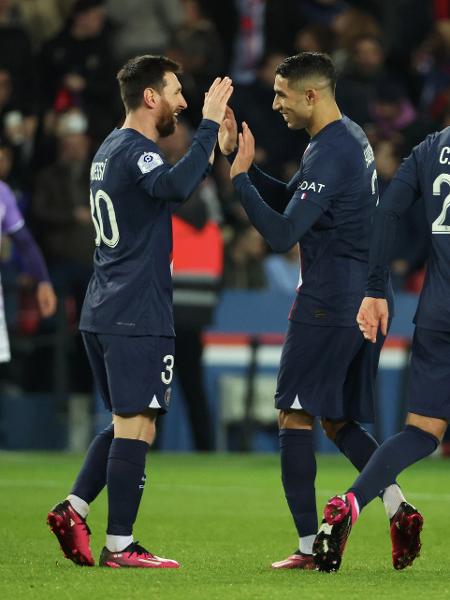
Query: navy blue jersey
[(328, 207), (132, 189), (424, 176)]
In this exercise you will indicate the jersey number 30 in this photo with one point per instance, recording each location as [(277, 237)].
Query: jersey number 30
[(438, 225), (100, 235)]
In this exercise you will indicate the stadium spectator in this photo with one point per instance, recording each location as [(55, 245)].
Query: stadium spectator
[(44, 19), (248, 47), (395, 118), (62, 212), (314, 38), (282, 271), (431, 64), (143, 27), (17, 127), (412, 239), (78, 69), (286, 18), (349, 26), (15, 52), (243, 260), (361, 76)]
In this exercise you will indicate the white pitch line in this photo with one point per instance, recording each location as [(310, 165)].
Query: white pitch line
[(50, 483)]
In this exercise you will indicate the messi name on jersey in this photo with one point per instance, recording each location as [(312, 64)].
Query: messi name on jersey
[(98, 170)]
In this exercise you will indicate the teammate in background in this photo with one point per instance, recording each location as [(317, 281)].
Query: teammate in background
[(127, 320), (12, 224), (327, 370), (425, 176)]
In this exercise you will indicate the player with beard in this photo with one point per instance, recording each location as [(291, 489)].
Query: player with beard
[(127, 320)]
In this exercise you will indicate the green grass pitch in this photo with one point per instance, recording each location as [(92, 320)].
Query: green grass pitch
[(225, 519)]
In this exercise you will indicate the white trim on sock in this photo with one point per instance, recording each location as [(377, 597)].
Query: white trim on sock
[(306, 544), (392, 498), (117, 543), (78, 504)]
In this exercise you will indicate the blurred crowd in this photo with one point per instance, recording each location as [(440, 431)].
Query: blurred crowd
[(59, 98)]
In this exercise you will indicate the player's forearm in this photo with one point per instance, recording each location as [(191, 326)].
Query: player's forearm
[(397, 199), (381, 249), (273, 190), (280, 231), (178, 183), (31, 255)]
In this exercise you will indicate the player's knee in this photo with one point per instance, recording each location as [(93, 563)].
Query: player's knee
[(431, 425), (294, 419), (136, 427), (331, 428)]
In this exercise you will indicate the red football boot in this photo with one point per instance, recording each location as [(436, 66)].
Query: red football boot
[(135, 556), (72, 532), (339, 515), (406, 526), (298, 560)]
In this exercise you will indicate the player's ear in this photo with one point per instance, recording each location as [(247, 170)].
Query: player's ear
[(150, 97), (311, 96)]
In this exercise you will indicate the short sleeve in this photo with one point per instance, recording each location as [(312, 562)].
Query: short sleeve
[(323, 176), (12, 219)]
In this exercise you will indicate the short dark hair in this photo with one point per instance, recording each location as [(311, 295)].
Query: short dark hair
[(307, 64), (142, 72)]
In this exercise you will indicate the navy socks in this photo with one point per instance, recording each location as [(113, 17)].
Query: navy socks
[(298, 473), (125, 481), (392, 457), (92, 477), (356, 444)]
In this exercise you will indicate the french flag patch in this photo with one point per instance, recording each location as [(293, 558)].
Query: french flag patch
[(303, 196)]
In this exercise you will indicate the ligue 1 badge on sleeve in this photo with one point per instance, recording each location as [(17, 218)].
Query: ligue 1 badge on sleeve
[(167, 396), (149, 161)]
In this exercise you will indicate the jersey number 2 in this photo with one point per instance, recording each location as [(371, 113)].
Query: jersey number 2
[(438, 225), (100, 235)]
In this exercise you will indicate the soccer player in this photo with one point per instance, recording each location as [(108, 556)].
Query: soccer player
[(127, 320), (327, 370), (424, 176), (12, 224)]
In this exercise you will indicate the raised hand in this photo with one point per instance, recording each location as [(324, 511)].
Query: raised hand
[(246, 153), (373, 313), (216, 99), (228, 132)]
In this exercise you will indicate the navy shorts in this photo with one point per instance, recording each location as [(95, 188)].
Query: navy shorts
[(329, 372), (132, 373), (429, 393)]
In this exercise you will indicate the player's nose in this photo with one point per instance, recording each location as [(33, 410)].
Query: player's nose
[(183, 103)]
